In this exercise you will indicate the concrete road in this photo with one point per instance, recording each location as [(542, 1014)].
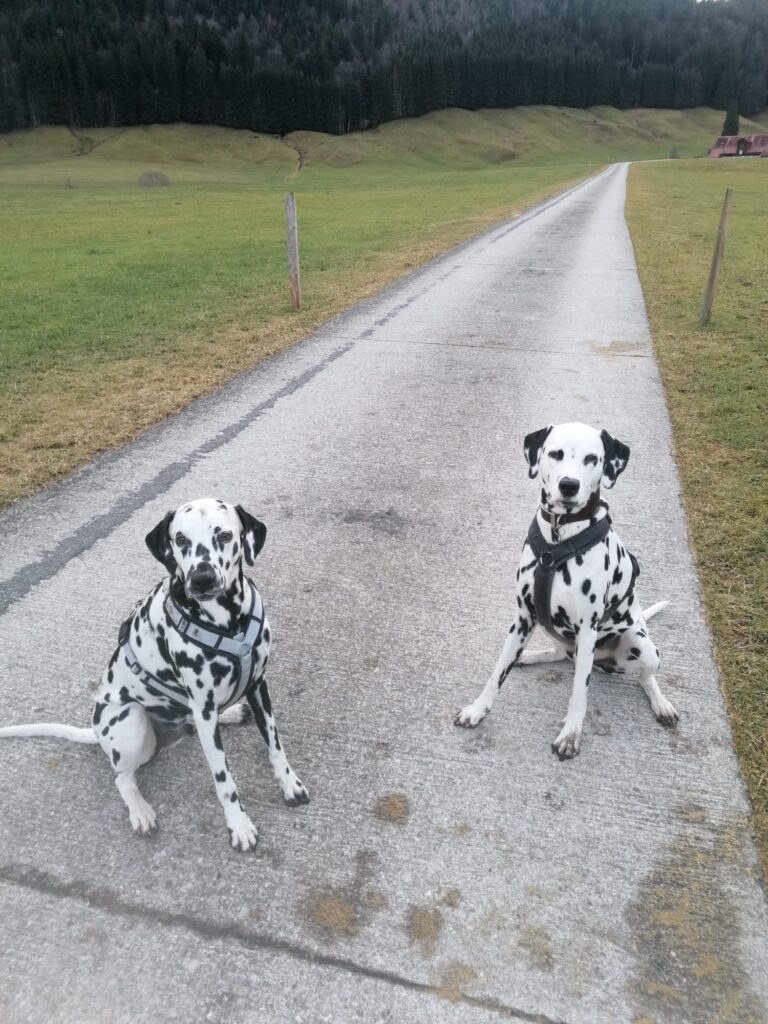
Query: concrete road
[(438, 875)]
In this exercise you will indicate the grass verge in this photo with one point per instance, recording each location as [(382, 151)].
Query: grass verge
[(716, 383)]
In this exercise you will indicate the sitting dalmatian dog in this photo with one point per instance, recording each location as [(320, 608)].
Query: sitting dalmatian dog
[(186, 656), (577, 580)]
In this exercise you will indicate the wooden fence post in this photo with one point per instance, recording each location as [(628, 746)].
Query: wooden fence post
[(717, 259), (293, 249)]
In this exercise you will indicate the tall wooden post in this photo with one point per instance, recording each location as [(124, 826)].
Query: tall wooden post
[(717, 259), (293, 249)]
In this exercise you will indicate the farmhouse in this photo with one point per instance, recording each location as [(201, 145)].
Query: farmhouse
[(740, 145)]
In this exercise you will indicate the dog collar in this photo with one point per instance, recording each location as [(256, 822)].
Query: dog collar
[(588, 512), (549, 558)]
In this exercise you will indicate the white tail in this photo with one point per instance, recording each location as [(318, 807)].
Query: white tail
[(61, 732), (654, 609)]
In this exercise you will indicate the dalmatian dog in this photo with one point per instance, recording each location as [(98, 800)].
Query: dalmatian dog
[(576, 580), (186, 657)]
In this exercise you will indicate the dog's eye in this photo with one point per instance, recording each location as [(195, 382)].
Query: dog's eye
[(557, 455), (180, 539), (590, 460), (225, 537)]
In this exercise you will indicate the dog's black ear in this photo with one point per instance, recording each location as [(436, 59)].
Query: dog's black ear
[(616, 459), (254, 534), (532, 446), (159, 543)]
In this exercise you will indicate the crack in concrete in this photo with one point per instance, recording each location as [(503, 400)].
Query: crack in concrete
[(31, 878)]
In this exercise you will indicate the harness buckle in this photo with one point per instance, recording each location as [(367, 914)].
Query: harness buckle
[(547, 561), (245, 650)]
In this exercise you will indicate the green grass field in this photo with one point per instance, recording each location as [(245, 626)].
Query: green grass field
[(716, 382), (121, 303)]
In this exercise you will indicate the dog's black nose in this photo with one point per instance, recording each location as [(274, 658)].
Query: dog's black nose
[(203, 576), (568, 487)]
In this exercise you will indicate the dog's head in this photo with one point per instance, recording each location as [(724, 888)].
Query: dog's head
[(204, 542), (573, 460)]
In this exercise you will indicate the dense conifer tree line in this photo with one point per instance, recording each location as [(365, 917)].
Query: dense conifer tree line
[(340, 65)]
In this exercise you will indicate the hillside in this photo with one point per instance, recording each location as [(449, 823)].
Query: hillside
[(278, 66), (448, 139)]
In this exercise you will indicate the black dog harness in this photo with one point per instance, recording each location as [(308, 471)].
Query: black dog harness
[(238, 648), (550, 557)]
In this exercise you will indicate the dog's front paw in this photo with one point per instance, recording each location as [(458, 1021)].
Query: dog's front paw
[(295, 792), (665, 712), (243, 834), (568, 742), (143, 820), (472, 715)]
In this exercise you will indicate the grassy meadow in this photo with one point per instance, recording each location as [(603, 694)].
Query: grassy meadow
[(716, 383), (121, 303)]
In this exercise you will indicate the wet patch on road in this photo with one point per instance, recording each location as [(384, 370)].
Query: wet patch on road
[(423, 925), (451, 979), (536, 942), (394, 808), (685, 931), (389, 521), (339, 912)]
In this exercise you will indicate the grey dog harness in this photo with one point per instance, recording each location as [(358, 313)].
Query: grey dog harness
[(550, 557), (238, 647)]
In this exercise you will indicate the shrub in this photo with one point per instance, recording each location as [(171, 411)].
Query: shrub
[(153, 179)]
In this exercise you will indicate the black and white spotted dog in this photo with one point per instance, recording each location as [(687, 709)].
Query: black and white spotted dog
[(577, 580), (186, 656)]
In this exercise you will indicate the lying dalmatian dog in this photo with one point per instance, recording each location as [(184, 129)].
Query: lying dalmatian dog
[(186, 656), (577, 580)]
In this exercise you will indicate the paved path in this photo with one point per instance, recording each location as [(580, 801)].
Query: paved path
[(438, 875)]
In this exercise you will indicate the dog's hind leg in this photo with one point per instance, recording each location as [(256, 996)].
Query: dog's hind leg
[(128, 739), (294, 790), (636, 652)]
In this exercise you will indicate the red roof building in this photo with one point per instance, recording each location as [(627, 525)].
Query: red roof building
[(740, 145)]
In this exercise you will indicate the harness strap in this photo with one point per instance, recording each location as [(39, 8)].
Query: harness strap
[(551, 556), (239, 647), (175, 693)]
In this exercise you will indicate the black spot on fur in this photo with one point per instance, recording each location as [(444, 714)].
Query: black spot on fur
[(210, 705), (97, 712), (219, 670), (217, 739), (115, 756), (586, 586), (221, 776), (183, 660)]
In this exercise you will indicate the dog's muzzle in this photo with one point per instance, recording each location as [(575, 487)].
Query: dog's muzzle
[(203, 581)]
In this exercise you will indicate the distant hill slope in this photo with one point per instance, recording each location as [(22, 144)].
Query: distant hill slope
[(339, 65), (444, 140)]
